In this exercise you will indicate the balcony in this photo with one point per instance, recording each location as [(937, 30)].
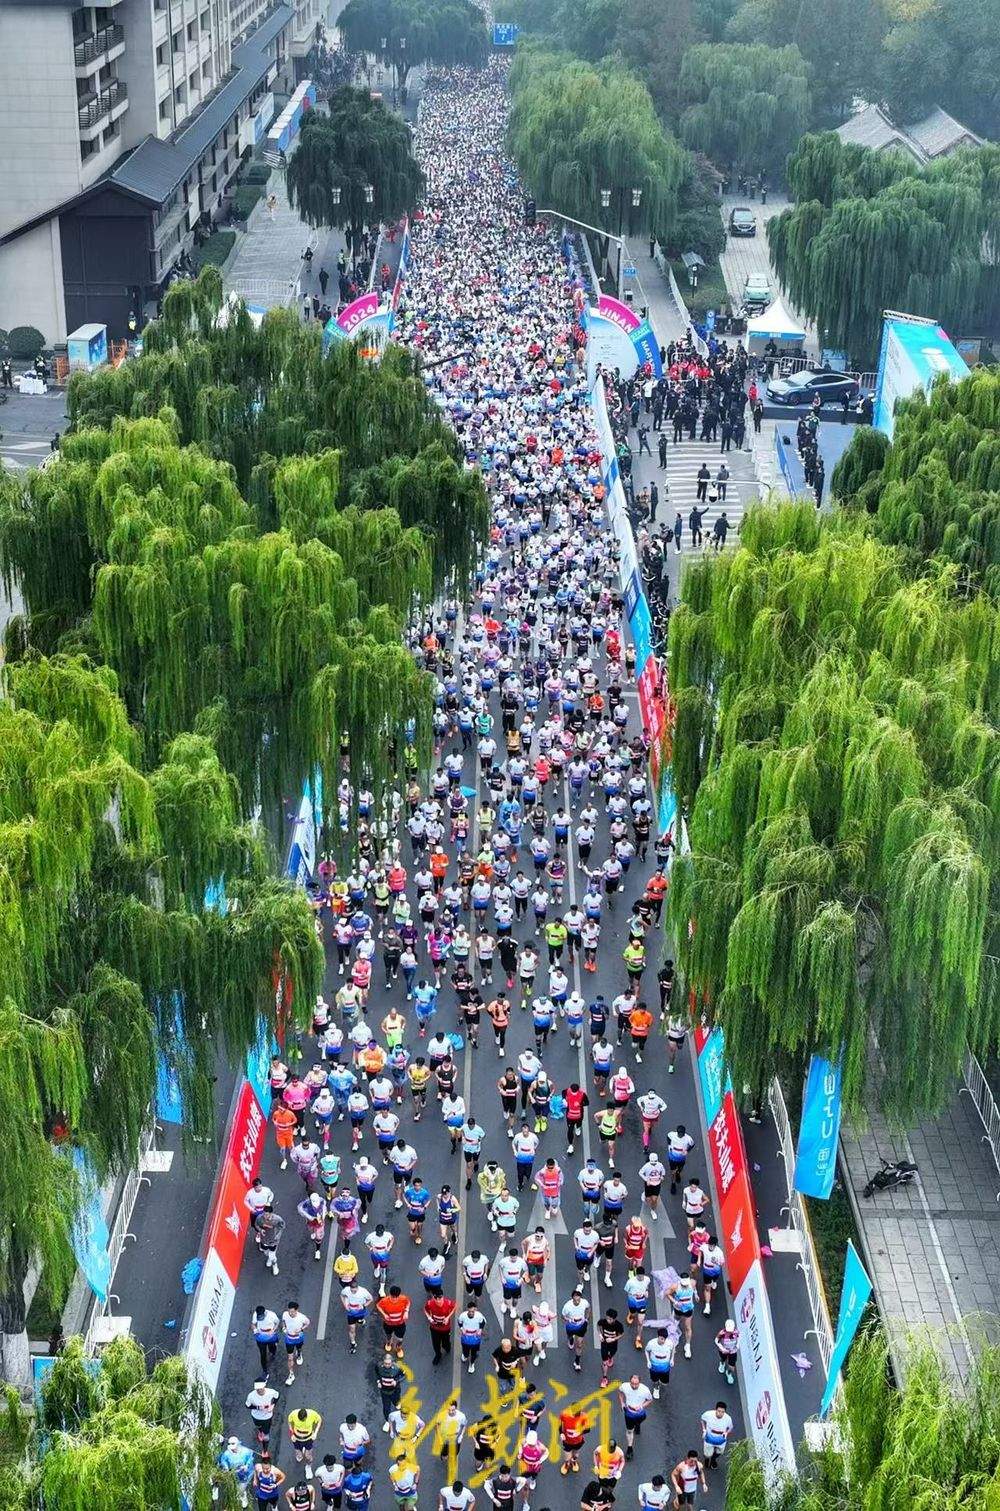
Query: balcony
[(98, 47), (109, 102)]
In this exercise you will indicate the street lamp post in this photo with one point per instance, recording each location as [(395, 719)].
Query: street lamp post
[(619, 197)]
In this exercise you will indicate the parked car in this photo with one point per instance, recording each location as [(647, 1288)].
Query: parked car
[(742, 221), (757, 293), (797, 391)]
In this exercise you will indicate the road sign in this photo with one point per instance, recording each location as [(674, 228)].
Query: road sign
[(630, 271)]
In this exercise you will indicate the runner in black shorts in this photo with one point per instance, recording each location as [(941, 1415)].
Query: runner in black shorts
[(609, 1332)]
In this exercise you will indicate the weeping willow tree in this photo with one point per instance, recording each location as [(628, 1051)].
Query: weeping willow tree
[(110, 955), (871, 231), (927, 1445), (274, 645), (576, 129), (354, 165), (253, 397), (112, 1434), (837, 760), (743, 104), (935, 491)]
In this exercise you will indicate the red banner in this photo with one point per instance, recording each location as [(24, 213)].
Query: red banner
[(732, 1182), (245, 1145)]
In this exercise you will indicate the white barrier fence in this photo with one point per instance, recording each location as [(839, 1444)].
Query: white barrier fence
[(101, 1326), (799, 1223), (985, 1104)]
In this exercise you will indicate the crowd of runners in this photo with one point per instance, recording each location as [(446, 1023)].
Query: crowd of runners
[(468, 925)]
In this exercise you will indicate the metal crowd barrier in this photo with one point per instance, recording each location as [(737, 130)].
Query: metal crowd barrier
[(985, 1104), (799, 1222), (118, 1236)]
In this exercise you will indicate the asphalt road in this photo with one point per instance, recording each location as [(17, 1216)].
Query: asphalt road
[(333, 1382)]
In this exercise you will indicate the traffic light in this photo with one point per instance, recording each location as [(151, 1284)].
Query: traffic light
[(529, 212)]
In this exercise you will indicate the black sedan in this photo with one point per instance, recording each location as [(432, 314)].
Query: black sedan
[(798, 390), (742, 221)]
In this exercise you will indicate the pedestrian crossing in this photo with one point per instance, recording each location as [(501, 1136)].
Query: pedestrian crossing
[(683, 462)]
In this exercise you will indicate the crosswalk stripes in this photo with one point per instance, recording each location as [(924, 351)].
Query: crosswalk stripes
[(683, 464)]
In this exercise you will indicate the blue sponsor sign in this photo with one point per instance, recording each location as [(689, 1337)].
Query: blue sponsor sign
[(641, 625), (713, 1074), (505, 33), (646, 348), (258, 1067), (853, 1300), (90, 1231), (666, 813), (633, 592), (819, 1130)]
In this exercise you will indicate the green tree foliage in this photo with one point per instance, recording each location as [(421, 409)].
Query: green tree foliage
[(443, 33), (743, 105), (652, 36), (109, 1435), (936, 489), (269, 642), (871, 231), (253, 398), (836, 757), (840, 41), (575, 129), (944, 54), (107, 943), (359, 146), (929, 1443)]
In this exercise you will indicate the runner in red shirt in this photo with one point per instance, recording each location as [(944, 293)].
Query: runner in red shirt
[(634, 1241), (439, 1311)]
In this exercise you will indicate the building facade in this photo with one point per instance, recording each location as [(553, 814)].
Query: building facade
[(121, 127)]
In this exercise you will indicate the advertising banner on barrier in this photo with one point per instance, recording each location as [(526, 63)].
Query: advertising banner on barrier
[(90, 1230), (853, 1299), (640, 624), (767, 1419), (819, 1130), (209, 1326)]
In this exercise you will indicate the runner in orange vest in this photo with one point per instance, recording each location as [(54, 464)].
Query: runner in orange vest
[(285, 1123)]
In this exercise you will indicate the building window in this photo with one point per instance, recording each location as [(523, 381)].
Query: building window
[(113, 131), (179, 95), (165, 108), (193, 81), (161, 55), (191, 29), (205, 22), (87, 149), (175, 41)]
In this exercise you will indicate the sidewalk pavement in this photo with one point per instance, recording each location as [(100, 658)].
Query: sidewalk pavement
[(743, 255), (931, 1248), (268, 270)]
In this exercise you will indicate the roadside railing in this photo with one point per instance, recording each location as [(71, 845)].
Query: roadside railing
[(799, 1222), (118, 1235), (985, 1104)]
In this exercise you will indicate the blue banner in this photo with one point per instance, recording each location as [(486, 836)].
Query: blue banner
[(505, 33), (641, 626), (90, 1231), (646, 348), (258, 1067), (819, 1130), (713, 1074), (853, 1300), (666, 815)]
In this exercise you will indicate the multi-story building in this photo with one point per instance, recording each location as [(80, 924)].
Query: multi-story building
[(120, 128)]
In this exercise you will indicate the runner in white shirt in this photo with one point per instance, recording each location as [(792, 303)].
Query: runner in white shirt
[(694, 1202), (456, 1497), (654, 1494), (575, 1315), (716, 1428), (635, 1397)]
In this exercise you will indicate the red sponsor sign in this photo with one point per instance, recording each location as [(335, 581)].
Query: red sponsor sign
[(245, 1145), (230, 1220), (726, 1146), (739, 1230), (732, 1183)]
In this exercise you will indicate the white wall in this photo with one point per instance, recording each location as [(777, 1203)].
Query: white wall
[(39, 122), (31, 288)]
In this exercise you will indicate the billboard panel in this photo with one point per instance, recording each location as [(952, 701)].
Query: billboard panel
[(914, 352)]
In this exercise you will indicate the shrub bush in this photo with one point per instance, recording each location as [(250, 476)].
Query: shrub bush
[(214, 251), (257, 173), (244, 200), (25, 341)]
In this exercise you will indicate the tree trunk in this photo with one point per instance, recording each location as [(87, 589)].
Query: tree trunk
[(403, 72), (15, 1361)]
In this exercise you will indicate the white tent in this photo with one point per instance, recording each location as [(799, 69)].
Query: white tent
[(776, 325)]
